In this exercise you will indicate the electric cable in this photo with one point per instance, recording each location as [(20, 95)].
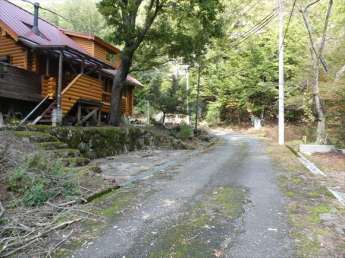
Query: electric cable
[(257, 27), (68, 20)]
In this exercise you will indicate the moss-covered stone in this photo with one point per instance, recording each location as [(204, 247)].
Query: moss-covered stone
[(35, 136), (78, 161), (66, 152), (52, 145), (99, 142)]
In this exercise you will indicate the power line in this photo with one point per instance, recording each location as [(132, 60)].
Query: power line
[(234, 10), (255, 28), (285, 33), (254, 32), (68, 20), (248, 9), (287, 28)]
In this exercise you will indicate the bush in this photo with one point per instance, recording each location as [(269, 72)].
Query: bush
[(37, 195), (185, 132), (213, 113), (35, 177)]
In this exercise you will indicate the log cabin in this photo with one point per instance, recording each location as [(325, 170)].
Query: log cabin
[(55, 75)]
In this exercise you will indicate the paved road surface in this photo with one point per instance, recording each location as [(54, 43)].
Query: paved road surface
[(224, 202)]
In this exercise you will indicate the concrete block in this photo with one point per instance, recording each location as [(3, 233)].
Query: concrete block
[(309, 148)]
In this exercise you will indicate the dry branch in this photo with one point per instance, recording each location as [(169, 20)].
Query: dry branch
[(2, 210)]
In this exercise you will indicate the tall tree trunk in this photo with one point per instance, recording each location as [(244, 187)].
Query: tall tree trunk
[(321, 118), (119, 84), (316, 55)]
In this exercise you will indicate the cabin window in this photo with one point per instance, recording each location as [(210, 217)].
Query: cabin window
[(5, 59), (111, 57)]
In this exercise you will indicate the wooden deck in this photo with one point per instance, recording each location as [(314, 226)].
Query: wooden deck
[(18, 83)]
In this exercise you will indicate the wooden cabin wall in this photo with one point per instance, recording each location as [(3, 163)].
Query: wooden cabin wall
[(129, 96), (21, 84), (99, 52), (8, 47), (82, 87), (86, 44)]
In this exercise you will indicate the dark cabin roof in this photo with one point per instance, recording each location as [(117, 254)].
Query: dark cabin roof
[(19, 22)]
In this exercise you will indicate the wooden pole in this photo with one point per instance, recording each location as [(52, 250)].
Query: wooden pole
[(281, 137), (82, 66), (59, 108), (100, 73), (197, 103), (48, 67)]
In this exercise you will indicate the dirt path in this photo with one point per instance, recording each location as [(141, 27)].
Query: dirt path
[(224, 202)]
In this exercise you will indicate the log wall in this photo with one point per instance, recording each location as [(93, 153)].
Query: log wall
[(18, 54), (82, 87), (49, 87)]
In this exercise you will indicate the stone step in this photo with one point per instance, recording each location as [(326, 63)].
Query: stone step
[(52, 145), (92, 168), (78, 161), (37, 137), (65, 153)]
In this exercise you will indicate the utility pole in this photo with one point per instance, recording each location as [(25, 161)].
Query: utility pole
[(187, 85), (197, 103), (281, 76)]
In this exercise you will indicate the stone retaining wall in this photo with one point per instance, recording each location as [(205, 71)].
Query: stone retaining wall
[(95, 142)]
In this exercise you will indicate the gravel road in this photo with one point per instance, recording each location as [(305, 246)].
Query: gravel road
[(223, 202)]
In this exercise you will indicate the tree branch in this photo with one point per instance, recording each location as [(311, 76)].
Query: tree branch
[(325, 28), (140, 69), (310, 4), (2, 210), (309, 29), (342, 70), (147, 26)]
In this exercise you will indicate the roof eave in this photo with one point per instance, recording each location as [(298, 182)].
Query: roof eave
[(8, 30), (64, 47)]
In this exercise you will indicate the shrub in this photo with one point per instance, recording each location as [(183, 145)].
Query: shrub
[(36, 195), (185, 132)]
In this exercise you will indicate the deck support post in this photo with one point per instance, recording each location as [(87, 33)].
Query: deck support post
[(89, 115), (48, 67), (79, 113), (82, 66), (99, 117), (100, 73), (59, 100)]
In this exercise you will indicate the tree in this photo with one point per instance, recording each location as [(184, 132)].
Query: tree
[(166, 96), (173, 28), (316, 54), (79, 15)]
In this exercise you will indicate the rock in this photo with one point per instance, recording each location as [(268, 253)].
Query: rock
[(327, 216), (340, 231), (311, 148)]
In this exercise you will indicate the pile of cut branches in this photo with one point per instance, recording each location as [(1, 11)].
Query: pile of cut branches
[(40, 200)]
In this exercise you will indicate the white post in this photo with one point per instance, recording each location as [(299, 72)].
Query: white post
[(187, 85), (281, 75), (148, 112)]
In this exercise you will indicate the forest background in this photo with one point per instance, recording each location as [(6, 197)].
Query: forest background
[(239, 67)]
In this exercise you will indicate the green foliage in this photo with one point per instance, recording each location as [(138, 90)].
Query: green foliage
[(36, 195), (35, 178), (12, 121), (185, 132), (83, 14), (173, 28), (213, 113), (166, 95), (19, 181)]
